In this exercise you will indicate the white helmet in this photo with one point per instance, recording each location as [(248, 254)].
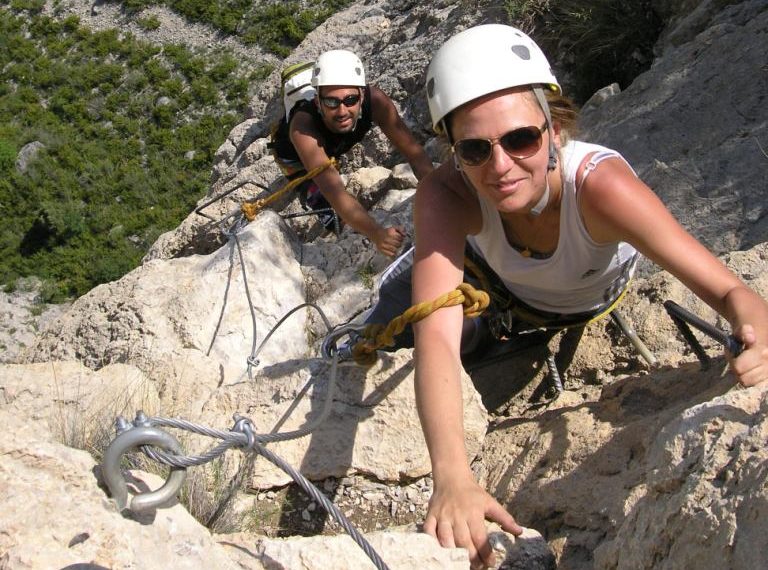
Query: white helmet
[(338, 67), (483, 60)]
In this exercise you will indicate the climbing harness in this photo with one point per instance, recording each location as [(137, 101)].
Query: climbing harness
[(520, 326), (682, 318)]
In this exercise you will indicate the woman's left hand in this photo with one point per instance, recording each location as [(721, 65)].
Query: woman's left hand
[(751, 366)]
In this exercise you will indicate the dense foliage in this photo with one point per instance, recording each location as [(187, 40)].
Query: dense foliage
[(276, 25), (128, 132)]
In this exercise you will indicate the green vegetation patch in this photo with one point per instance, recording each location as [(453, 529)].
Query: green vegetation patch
[(126, 131), (275, 25)]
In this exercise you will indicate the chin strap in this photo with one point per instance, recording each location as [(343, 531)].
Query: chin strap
[(539, 93), (541, 98), (543, 201)]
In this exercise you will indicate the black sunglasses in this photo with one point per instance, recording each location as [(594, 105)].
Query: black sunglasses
[(518, 143), (334, 102)]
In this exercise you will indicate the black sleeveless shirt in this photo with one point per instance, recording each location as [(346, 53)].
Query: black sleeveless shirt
[(334, 144)]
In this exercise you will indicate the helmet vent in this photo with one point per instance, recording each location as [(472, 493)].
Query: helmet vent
[(431, 87), (521, 51)]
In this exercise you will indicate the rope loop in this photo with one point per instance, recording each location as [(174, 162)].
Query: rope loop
[(377, 336), (251, 209)]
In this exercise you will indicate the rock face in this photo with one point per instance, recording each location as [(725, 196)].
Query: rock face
[(140, 318), (22, 316), (632, 467), (50, 483), (704, 492), (664, 123), (666, 470)]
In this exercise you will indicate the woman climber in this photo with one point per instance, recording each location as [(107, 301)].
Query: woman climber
[(560, 223)]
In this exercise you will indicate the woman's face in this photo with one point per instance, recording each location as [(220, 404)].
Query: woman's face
[(513, 185)]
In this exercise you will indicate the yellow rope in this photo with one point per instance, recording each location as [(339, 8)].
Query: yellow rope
[(475, 301), (377, 336), (251, 209)]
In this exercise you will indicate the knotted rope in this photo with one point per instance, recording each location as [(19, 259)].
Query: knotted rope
[(251, 209), (377, 336)]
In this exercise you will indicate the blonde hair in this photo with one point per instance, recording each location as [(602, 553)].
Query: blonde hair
[(562, 109), (565, 113)]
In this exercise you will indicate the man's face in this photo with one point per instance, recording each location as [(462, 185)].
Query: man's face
[(340, 107)]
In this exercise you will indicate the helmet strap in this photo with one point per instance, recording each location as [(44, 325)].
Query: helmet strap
[(543, 201), (539, 93)]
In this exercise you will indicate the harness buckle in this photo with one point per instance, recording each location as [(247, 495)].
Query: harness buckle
[(500, 323)]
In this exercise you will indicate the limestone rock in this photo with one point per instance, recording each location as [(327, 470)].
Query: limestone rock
[(626, 465), (398, 549), (666, 135), (705, 503), (140, 319), (402, 547), (403, 177), (372, 425), (75, 404), (22, 316), (27, 154), (55, 515)]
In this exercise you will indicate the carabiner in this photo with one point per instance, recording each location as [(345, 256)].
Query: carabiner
[(113, 476), (329, 348)]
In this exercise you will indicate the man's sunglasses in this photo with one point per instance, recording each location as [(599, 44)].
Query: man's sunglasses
[(517, 143), (334, 102)]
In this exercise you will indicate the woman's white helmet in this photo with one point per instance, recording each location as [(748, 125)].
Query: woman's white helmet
[(482, 60), (338, 67)]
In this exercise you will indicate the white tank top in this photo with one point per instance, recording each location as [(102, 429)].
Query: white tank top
[(581, 275)]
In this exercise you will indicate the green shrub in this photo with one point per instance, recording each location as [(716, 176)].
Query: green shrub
[(149, 23), (273, 24), (7, 156), (113, 176), (261, 72)]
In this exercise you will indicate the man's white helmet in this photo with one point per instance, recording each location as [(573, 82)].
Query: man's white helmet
[(483, 60), (338, 67)]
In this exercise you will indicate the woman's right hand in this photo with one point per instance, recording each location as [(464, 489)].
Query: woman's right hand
[(456, 516)]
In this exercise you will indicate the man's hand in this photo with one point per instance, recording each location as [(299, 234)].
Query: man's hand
[(389, 240), (456, 517)]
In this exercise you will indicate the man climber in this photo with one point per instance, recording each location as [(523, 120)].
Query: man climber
[(343, 110)]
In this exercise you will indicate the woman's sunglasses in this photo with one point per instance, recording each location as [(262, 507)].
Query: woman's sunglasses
[(334, 102), (517, 143)]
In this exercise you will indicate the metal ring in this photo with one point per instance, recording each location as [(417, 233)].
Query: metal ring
[(113, 475)]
